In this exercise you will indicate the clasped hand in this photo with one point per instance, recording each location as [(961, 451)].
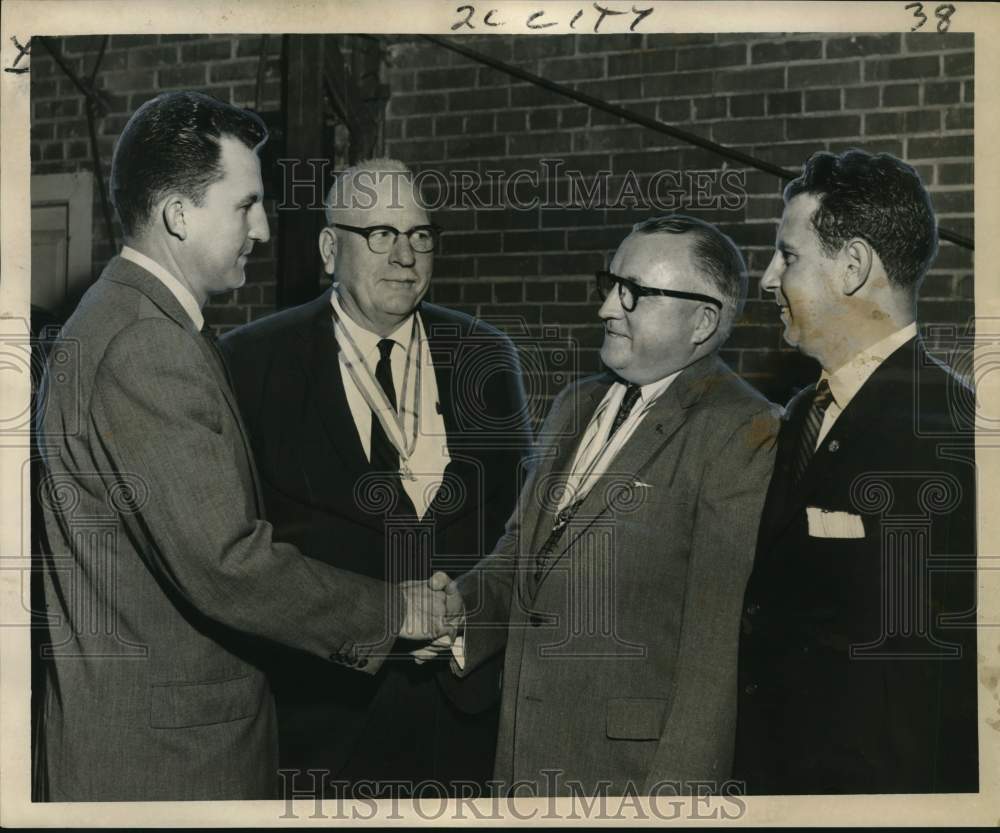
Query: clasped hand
[(433, 613)]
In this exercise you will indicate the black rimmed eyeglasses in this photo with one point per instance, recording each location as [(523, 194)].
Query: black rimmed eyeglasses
[(381, 239), (629, 292)]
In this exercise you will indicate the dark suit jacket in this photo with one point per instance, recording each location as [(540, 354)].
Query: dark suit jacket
[(621, 660), (858, 655), (314, 473), (160, 568)]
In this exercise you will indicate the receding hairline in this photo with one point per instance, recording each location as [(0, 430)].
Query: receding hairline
[(693, 263), (339, 196)]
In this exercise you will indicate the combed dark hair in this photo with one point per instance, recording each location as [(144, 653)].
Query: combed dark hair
[(878, 198), (171, 143), (715, 252)]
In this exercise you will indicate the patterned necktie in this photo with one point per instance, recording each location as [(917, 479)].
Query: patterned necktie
[(384, 455), (632, 393), (810, 429)]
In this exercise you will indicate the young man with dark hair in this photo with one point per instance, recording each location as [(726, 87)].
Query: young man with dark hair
[(162, 575), (858, 648)]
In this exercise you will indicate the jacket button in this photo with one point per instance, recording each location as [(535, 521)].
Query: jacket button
[(834, 446), (750, 688), (534, 620)]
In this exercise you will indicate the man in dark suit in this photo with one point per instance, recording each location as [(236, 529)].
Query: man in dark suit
[(395, 427), (858, 647), (617, 586), (161, 576)]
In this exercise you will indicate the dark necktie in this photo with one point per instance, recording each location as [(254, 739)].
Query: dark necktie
[(810, 429), (632, 393), (384, 455), (403, 563)]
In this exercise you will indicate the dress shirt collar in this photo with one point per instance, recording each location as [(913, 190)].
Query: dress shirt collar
[(366, 340), (651, 391), (177, 289), (848, 379)]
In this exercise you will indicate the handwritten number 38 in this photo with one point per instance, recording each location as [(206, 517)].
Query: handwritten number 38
[(943, 13)]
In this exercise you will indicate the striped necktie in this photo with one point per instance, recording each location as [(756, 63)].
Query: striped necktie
[(810, 429)]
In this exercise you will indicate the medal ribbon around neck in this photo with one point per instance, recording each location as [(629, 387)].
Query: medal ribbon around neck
[(582, 488), (401, 429)]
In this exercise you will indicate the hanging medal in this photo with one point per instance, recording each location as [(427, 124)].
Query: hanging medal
[(401, 428)]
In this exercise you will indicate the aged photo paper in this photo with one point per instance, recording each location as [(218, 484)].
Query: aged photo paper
[(545, 129)]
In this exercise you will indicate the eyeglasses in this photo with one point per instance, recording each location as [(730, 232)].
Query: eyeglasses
[(381, 239), (629, 292)]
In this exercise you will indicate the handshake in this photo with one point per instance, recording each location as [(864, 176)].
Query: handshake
[(434, 613)]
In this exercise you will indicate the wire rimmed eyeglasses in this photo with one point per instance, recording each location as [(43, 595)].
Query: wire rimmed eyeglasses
[(629, 292), (382, 238)]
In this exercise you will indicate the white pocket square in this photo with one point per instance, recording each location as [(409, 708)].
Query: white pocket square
[(826, 523)]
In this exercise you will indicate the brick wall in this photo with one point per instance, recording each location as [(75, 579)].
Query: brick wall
[(134, 69), (774, 96)]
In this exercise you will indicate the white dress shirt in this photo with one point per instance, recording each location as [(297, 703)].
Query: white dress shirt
[(847, 380), (177, 289), (595, 452), (592, 458), (430, 456)]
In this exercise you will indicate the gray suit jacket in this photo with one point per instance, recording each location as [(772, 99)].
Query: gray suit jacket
[(621, 656), (162, 574)]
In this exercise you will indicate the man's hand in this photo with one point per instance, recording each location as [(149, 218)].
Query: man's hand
[(426, 609), (454, 617)]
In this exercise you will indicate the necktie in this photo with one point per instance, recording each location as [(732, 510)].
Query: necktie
[(402, 563), (628, 402), (384, 455), (810, 429), (564, 517)]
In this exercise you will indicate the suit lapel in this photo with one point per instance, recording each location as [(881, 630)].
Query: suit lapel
[(552, 468), (445, 342), (124, 272), (892, 382), (444, 339), (650, 437), (566, 451), (320, 361)]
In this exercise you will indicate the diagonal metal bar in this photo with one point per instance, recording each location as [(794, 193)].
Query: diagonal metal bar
[(645, 121), (94, 107)]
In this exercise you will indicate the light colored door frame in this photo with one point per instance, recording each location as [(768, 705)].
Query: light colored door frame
[(76, 191)]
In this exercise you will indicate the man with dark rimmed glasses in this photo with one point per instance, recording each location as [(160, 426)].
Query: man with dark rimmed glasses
[(616, 588), (367, 432)]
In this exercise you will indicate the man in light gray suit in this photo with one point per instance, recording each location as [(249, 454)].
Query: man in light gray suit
[(616, 588), (161, 573)]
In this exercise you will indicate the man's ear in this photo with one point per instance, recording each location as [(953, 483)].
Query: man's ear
[(859, 258), (175, 220), (708, 323), (328, 249)]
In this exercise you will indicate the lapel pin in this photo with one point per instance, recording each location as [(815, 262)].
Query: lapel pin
[(834, 446)]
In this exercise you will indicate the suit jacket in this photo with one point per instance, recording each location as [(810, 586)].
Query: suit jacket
[(858, 654), (621, 659), (161, 571), (314, 470)]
